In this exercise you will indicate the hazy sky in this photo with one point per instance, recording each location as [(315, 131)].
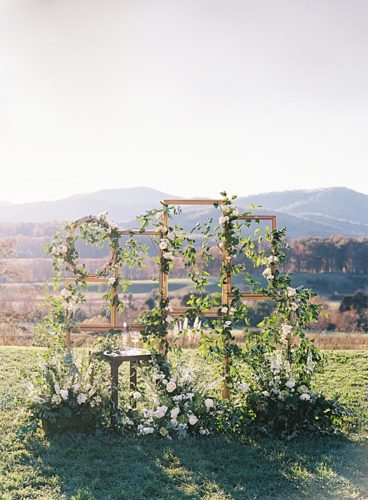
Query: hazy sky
[(186, 96)]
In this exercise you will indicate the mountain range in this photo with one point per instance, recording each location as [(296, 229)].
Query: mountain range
[(320, 212)]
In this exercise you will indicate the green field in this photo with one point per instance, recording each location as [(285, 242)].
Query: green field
[(107, 466)]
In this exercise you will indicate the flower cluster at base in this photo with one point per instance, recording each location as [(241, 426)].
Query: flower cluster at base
[(171, 403), (67, 391)]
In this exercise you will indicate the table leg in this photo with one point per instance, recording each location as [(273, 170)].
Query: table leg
[(133, 376), (114, 402)]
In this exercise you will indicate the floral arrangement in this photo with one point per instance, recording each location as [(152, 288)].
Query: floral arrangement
[(68, 391), (278, 396)]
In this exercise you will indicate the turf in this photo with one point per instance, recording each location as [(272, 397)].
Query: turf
[(107, 466)]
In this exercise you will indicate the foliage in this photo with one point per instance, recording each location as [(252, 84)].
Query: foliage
[(67, 391), (281, 358)]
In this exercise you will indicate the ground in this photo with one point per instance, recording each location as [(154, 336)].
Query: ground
[(103, 466)]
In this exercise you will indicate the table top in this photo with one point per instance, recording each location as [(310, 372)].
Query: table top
[(128, 354)]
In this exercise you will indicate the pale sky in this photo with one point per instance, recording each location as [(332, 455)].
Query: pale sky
[(186, 96)]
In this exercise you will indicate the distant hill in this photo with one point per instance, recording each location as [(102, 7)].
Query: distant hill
[(319, 212)]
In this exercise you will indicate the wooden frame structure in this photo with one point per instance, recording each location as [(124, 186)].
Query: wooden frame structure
[(164, 277)]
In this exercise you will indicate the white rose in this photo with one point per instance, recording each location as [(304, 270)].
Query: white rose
[(291, 292), (193, 419), (305, 397), (175, 412), (272, 259), (170, 386), (161, 411), (64, 394), (224, 219), (224, 309), (66, 293), (244, 387), (286, 329), (137, 395), (168, 256), (267, 273), (209, 403), (290, 383), (163, 244), (81, 398)]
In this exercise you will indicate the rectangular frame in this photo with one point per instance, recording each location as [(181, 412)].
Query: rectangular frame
[(114, 312)]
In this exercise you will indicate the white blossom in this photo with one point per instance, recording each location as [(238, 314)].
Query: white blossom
[(294, 306), (173, 421), (267, 273), (161, 411), (209, 403), (111, 280), (224, 309), (168, 256), (272, 259), (66, 293), (137, 395), (192, 419), (64, 394), (244, 387), (163, 244), (171, 386), (291, 292), (290, 383), (81, 398), (175, 412), (305, 397), (224, 219)]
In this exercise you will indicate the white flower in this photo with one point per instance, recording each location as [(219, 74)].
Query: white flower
[(161, 411), (169, 319), (171, 386), (163, 229), (173, 421), (286, 329), (272, 259), (209, 403), (168, 256), (290, 383), (64, 394), (266, 393), (244, 387), (112, 280), (305, 397), (224, 309), (163, 244), (175, 412), (294, 306), (66, 293), (204, 432), (224, 219), (192, 419), (164, 381), (228, 323), (137, 395), (291, 292), (81, 398), (64, 249), (221, 244), (267, 273), (102, 215)]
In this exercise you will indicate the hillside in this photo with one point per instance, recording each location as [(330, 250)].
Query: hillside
[(319, 212)]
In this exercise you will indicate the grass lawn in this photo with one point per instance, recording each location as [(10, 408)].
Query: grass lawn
[(106, 466)]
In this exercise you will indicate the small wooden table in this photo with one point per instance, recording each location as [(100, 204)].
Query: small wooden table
[(133, 356)]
